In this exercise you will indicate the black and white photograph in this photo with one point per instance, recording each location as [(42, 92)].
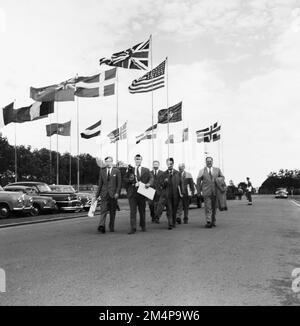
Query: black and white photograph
[(149, 155)]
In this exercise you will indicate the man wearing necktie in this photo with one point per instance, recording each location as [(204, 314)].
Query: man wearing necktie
[(109, 189), (207, 186), (156, 174), (188, 190), (136, 200), (170, 186)]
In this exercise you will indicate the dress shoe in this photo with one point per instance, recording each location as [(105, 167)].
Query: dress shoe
[(178, 220), (101, 229), (157, 221), (170, 227), (214, 224), (185, 221), (132, 231), (208, 225), (111, 230), (143, 229)]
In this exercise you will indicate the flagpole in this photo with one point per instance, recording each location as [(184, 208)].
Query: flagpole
[(117, 113), (70, 171), (78, 159), (127, 143), (57, 158), (152, 110), (50, 154), (167, 89), (16, 154)]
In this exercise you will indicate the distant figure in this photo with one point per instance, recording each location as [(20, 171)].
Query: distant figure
[(136, 200), (206, 184), (156, 174), (109, 189), (188, 190), (171, 191), (249, 191), (240, 192)]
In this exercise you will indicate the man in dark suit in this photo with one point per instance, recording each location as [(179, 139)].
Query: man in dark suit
[(136, 200), (171, 191), (156, 174), (109, 189), (188, 189)]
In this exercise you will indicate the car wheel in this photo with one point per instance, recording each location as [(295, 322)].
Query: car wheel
[(36, 210), (86, 209), (4, 211)]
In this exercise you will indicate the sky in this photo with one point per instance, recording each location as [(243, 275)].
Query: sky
[(235, 62)]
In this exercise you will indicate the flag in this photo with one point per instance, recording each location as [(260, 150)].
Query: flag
[(208, 134), (118, 134), (147, 134), (151, 81), (59, 93), (173, 114), (35, 111), (62, 129), (92, 131), (172, 139), (8, 107), (133, 58), (185, 134), (89, 86)]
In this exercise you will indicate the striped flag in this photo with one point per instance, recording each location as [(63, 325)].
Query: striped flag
[(92, 131), (136, 57), (209, 134), (147, 134), (151, 81), (172, 139), (118, 134)]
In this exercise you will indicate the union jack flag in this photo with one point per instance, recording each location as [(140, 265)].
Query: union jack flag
[(209, 134), (137, 57)]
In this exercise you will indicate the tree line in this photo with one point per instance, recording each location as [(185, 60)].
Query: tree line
[(35, 165)]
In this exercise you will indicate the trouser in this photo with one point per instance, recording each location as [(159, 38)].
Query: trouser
[(137, 201), (172, 205), (183, 206), (153, 206), (210, 208), (108, 205), (249, 196)]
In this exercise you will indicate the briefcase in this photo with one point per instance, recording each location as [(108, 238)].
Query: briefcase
[(93, 208)]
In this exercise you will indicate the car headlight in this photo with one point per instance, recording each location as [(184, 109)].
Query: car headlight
[(79, 198), (31, 200), (69, 198), (20, 200), (45, 202)]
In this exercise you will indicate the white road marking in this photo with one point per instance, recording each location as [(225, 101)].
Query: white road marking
[(295, 202)]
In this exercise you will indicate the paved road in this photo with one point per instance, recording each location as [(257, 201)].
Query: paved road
[(246, 260)]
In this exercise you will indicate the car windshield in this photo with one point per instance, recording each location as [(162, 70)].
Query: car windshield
[(63, 188), (30, 191), (43, 188)]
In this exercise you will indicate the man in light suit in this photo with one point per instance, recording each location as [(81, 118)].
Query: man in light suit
[(207, 186), (188, 189), (136, 200), (156, 174), (109, 189)]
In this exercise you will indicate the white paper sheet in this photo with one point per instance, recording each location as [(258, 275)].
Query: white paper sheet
[(147, 192)]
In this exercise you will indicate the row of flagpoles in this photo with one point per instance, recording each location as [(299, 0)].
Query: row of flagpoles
[(136, 57)]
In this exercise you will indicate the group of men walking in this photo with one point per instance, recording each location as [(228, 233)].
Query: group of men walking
[(173, 189)]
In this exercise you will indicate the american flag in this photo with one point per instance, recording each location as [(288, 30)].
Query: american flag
[(133, 58), (118, 134), (147, 134), (209, 134), (153, 80)]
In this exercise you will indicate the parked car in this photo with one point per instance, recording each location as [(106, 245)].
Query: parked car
[(65, 201), (40, 203), (14, 202), (281, 193), (85, 198)]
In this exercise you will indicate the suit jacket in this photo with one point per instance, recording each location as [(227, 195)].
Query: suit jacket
[(146, 177), (166, 183), (156, 179), (187, 180), (111, 187), (207, 184)]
